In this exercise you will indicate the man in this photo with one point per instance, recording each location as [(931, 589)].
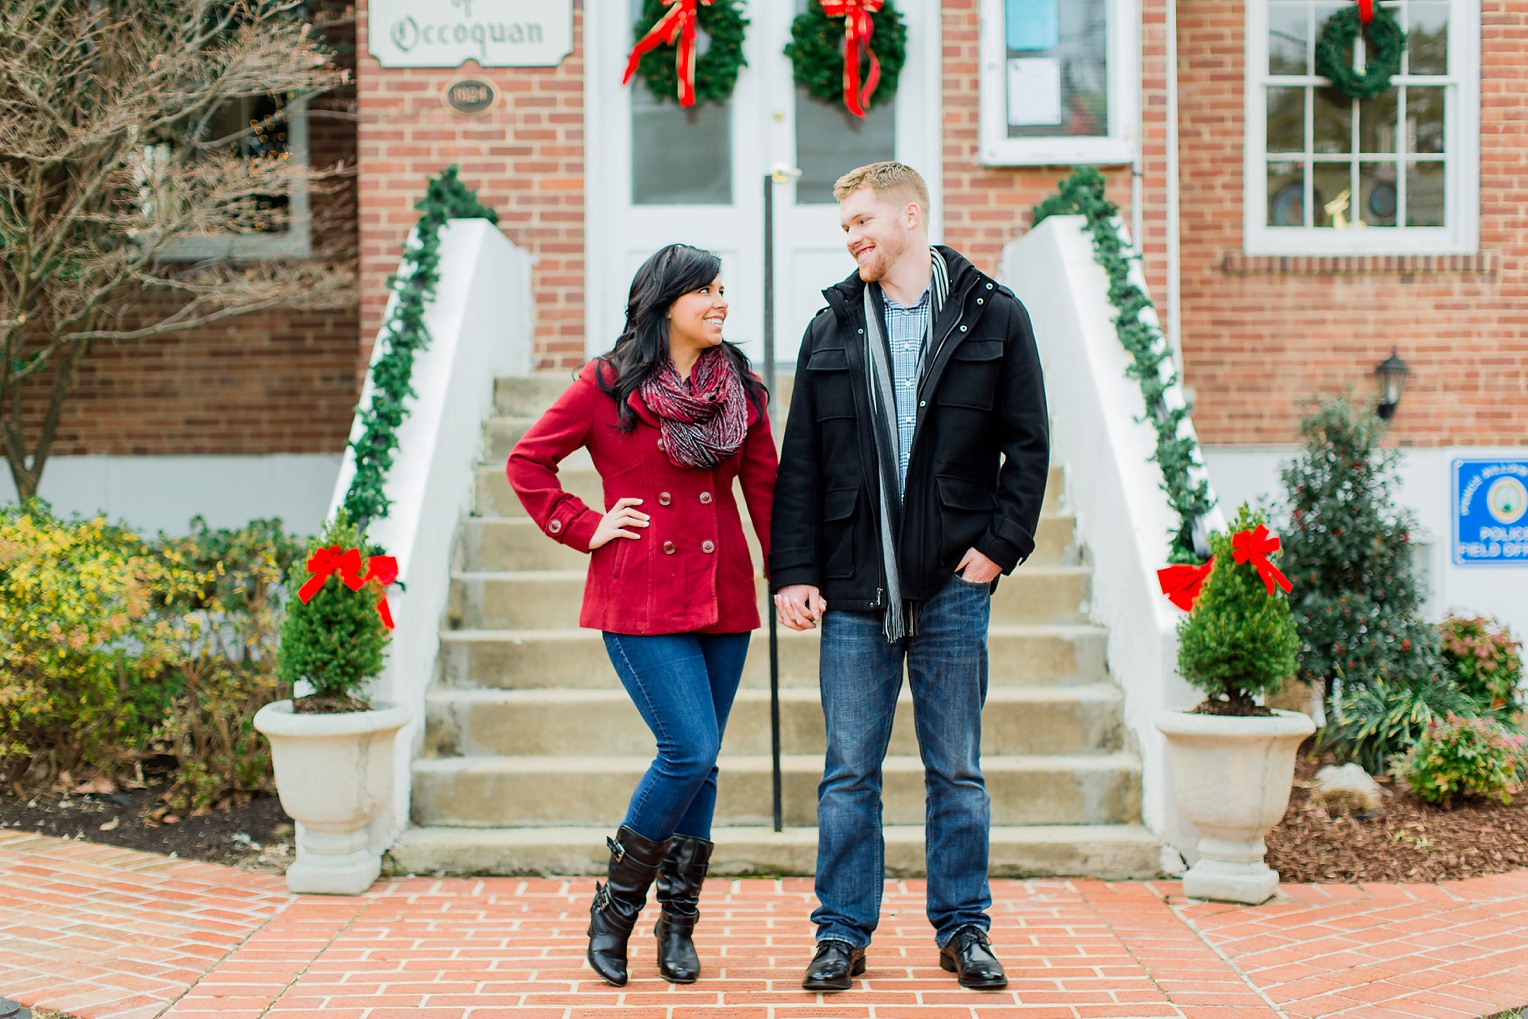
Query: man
[(911, 476)]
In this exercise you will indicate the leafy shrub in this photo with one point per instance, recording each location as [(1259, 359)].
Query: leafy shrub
[(1238, 642), (89, 649), (1378, 722), (237, 563), (1483, 659), (336, 640), (1347, 550), (1465, 757)]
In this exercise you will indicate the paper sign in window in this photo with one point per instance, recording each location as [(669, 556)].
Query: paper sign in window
[(1034, 92), (1033, 24)]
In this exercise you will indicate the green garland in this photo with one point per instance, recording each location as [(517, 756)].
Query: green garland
[(1386, 42), (716, 69), (816, 52), (1151, 364), (404, 335)]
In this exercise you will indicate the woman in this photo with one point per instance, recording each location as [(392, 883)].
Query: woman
[(670, 416)]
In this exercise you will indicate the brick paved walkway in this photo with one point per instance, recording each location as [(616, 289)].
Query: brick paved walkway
[(104, 932)]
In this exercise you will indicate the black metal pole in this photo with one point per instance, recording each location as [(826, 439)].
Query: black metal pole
[(769, 380)]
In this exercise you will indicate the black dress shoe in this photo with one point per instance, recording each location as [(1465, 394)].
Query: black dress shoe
[(834, 967), (969, 956)]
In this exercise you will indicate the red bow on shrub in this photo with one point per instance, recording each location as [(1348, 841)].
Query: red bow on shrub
[(677, 28), (1182, 584), (857, 31), (327, 562), (384, 570), (1255, 546)]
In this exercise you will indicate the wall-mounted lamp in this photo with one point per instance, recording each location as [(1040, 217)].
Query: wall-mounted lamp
[(1392, 372)]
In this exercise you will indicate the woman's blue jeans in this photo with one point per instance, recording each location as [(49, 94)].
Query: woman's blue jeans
[(683, 684)]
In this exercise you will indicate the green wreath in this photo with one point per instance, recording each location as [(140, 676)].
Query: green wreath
[(1386, 42), (816, 52), (716, 69)]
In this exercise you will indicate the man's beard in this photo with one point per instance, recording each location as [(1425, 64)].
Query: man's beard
[(885, 255)]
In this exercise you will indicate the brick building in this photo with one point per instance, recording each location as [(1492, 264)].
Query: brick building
[(1235, 167)]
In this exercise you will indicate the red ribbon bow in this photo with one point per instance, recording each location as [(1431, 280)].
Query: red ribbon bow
[(327, 562), (1255, 546), (678, 25), (1365, 11), (857, 31), (1182, 584)]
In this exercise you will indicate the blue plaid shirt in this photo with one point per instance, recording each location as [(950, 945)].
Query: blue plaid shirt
[(905, 332)]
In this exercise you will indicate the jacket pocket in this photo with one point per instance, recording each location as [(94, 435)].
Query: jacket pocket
[(965, 511), (829, 369), (838, 506), (971, 377)]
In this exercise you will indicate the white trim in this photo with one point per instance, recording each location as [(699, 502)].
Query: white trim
[(1118, 148), (1461, 235), (294, 242)]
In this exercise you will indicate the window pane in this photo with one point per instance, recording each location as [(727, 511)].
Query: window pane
[(1424, 119), (1333, 127), (1332, 204), (1286, 194), (830, 141), (1286, 119), (1288, 49), (1377, 193), (1424, 194), (1058, 80), (679, 156), (1427, 39), (1376, 123)]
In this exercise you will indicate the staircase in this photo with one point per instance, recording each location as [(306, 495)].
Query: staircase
[(532, 748)]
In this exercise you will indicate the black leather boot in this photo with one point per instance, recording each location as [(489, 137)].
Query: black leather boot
[(679, 880), (634, 863)]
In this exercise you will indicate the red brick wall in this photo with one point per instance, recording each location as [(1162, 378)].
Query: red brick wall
[(525, 158), (1256, 343)]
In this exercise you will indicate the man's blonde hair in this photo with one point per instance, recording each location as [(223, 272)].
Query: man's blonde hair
[(888, 178)]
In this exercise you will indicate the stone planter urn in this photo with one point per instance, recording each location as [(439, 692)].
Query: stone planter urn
[(1232, 775), (333, 773)]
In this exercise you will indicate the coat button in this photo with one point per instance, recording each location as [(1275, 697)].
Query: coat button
[(664, 498), (668, 548), (962, 328), (989, 286), (555, 526), (705, 498), (981, 300), (708, 547), (661, 445)]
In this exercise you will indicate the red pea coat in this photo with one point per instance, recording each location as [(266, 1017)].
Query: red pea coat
[(690, 570)]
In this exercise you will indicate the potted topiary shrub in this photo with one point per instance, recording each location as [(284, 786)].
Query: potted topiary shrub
[(1233, 760), (332, 750)]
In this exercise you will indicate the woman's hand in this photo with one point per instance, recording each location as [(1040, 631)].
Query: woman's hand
[(614, 524)]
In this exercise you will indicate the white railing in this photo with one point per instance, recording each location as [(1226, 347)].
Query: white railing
[(480, 328), (1100, 434)]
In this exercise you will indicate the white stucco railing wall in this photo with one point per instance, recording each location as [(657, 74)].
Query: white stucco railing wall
[(1099, 433), (480, 328)]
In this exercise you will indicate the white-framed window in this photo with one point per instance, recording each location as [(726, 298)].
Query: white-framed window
[(1060, 82), (1393, 175), (287, 139)]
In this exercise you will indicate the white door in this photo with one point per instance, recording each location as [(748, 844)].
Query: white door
[(656, 173)]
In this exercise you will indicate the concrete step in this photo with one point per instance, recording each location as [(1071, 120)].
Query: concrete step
[(529, 395), (515, 543), (1102, 851), (1017, 720), (549, 599), (491, 792), (1046, 655), (493, 497)]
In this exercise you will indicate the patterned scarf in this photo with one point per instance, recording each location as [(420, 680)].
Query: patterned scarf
[(705, 419)]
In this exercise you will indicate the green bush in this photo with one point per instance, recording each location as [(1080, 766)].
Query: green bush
[(1238, 642), (1382, 720), (336, 640), (1465, 757), (1484, 661)]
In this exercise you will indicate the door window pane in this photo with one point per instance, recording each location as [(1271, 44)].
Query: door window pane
[(1332, 205), (1424, 119), (1427, 39), (678, 156), (831, 141), (1288, 39), (1057, 69), (1286, 194), (1376, 122), (1378, 194), (1424, 194), (1333, 127), (1286, 119)]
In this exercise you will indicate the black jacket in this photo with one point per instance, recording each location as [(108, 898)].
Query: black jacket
[(980, 455)]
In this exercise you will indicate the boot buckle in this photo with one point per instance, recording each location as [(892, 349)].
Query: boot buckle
[(617, 851)]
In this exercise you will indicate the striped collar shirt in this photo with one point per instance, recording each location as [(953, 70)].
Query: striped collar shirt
[(906, 330)]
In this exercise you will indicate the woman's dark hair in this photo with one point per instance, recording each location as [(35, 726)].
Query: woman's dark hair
[(642, 347)]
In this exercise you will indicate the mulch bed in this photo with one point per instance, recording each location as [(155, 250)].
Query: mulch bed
[(256, 835), (1412, 842)]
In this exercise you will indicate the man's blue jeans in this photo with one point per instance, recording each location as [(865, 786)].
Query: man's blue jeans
[(861, 676), (683, 684)]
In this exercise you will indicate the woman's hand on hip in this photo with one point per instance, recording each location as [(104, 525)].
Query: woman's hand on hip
[(615, 523)]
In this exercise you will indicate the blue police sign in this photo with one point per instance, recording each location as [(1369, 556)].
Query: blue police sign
[(1491, 512)]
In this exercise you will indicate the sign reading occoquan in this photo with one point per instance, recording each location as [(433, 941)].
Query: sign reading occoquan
[(448, 33)]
